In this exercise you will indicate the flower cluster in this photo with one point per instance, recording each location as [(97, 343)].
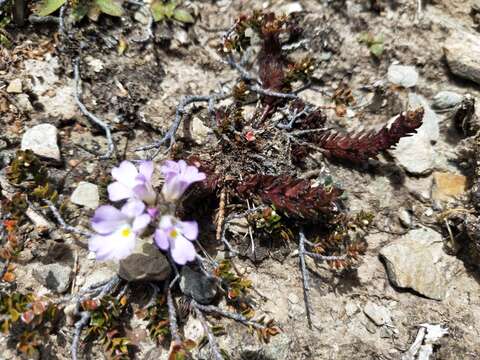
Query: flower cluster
[(116, 229)]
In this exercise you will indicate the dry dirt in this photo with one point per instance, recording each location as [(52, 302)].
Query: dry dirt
[(137, 94)]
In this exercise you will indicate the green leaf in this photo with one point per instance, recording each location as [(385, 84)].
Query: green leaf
[(158, 10), (376, 49), (80, 11), (49, 6), (170, 8), (110, 7), (183, 16)]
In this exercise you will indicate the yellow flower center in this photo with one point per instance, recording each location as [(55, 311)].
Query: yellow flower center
[(174, 233), (126, 232)]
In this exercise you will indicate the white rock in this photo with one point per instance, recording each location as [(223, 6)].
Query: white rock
[(446, 100), (417, 261), (199, 131), (402, 75), (429, 126), (15, 87), (415, 153), (291, 8), (96, 65), (42, 140), (23, 103), (58, 101), (86, 194), (380, 315)]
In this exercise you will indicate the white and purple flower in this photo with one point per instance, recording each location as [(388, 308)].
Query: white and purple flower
[(132, 183), (178, 177), (117, 230), (177, 236)]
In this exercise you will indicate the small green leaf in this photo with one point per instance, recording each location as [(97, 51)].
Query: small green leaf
[(79, 11), (158, 10), (376, 49), (170, 8), (110, 7), (183, 16), (49, 6)]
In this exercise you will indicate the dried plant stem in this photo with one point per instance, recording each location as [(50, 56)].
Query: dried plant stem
[(88, 114), (172, 318), (104, 289), (305, 277), (221, 214), (62, 222), (179, 112), (267, 92), (79, 325), (234, 316), (211, 338), (324, 257)]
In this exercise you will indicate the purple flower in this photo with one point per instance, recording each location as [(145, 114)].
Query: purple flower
[(177, 236), (132, 183), (178, 177), (117, 230)]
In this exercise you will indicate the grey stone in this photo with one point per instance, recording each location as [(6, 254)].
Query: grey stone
[(55, 276), (15, 87), (42, 140), (380, 315), (430, 127), (86, 194), (415, 153), (146, 263), (57, 100), (105, 272), (446, 99), (462, 52), (417, 261), (405, 217), (402, 75), (197, 286), (23, 103)]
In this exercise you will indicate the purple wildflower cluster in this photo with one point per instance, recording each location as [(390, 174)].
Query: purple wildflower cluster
[(117, 229)]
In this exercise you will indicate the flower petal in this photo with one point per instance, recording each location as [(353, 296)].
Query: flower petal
[(170, 169), (192, 175), (145, 193), (146, 170), (126, 174), (107, 219), (161, 239), (166, 222), (189, 229), (118, 191), (182, 250), (115, 246), (173, 189), (141, 222), (133, 208)]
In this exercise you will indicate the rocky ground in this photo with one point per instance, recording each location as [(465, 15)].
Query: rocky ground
[(412, 282)]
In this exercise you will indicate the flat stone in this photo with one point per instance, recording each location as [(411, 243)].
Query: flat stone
[(402, 75), (405, 217), (15, 87), (415, 154), (55, 276), (42, 140), (104, 272), (448, 186), (86, 194), (417, 261), (430, 127), (380, 315), (197, 286), (146, 263), (462, 52), (446, 100)]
